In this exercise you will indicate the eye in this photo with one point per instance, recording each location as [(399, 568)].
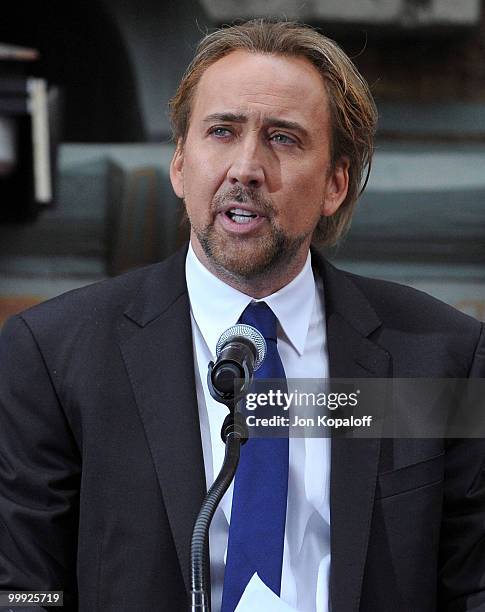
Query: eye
[(220, 132), (282, 139)]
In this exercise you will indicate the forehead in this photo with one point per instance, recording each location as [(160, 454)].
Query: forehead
[(262, 84)]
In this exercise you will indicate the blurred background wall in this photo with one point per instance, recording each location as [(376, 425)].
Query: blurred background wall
[(109, 68)]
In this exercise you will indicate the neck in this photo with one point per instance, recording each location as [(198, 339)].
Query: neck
[(258, 286)]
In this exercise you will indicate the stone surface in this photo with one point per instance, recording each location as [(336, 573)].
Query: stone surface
[(395, 12)]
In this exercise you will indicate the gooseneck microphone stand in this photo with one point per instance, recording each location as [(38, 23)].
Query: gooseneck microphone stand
[(234, 433), (240, 351)]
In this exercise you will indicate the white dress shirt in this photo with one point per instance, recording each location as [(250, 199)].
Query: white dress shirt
[(299, 307)]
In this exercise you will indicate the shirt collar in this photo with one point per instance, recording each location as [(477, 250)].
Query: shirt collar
[(216, 306)]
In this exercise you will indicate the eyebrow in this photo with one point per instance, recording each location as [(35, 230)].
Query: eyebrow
[(268, 121)]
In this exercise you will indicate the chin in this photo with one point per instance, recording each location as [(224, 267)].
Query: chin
[(248, 258)]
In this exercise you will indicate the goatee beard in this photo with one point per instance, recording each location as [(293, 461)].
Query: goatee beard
[(247, 258), (243, 259)]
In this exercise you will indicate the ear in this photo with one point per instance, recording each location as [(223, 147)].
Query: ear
[(336, 187), (177, 170)]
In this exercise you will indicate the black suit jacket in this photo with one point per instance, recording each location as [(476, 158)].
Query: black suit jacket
[(101, 469)]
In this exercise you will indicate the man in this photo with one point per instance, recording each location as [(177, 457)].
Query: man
[(109, 435)]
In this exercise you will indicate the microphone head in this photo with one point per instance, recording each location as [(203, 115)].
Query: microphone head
[(246, 332)]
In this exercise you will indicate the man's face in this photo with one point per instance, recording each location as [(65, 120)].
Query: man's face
[(255, 171)]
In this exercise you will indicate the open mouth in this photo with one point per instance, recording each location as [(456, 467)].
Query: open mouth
[(239, 215)]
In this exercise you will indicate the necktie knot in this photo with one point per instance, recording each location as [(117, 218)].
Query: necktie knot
[(260, 316)]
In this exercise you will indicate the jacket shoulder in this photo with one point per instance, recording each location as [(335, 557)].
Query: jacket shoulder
[(104, 301), (104, 297), (407, 306)]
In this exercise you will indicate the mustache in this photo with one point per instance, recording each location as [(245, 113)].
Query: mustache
[(243, 195)]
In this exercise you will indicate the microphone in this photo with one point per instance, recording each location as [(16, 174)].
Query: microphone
[(240, 351)]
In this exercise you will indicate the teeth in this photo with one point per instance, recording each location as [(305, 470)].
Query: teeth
[(241, 219), (239, 215), (240, 211)]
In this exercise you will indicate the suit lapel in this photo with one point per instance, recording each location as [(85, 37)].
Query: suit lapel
[(354, 462), (159, 360)]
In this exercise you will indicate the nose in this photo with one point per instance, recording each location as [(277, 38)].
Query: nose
[(246, 167)]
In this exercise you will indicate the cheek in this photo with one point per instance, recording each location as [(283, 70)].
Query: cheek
[(202, 177), (304, 200)]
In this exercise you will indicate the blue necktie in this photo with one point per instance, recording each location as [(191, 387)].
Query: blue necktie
[(258, 515)]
